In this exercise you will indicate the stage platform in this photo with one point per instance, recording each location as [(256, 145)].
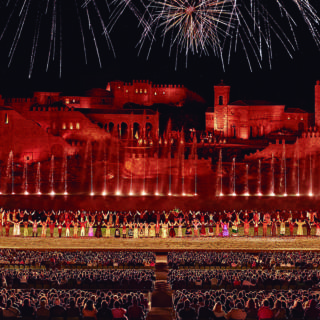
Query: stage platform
[(164, 245)]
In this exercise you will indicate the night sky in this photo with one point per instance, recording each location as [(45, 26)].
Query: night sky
[(290, 81)]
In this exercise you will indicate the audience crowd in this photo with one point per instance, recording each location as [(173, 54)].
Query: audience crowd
[(284, 259), (82, 279), (67, 258), (72, 304), (241, 305), (243, 279)]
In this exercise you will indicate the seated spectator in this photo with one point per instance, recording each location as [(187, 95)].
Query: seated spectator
[(312, 312), (264, 311), (219, 312), (10, 311), (187, 313), (135, 312), (297, 312), (279, 312), (251, 310), (43, 310), (57, 310), (237, 313), (205, 313), (89, 310), (27, 311), (118, 312), (104, 313), (72, 310)]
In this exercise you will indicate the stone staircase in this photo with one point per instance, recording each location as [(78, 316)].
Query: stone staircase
[(161, 299)]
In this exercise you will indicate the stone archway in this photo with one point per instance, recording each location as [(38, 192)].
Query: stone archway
[(136, 130), (111, 127), (124, 130), (149, 129)]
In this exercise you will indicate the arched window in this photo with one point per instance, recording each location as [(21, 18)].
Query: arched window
[(78, 126), (64, 127), (220, 100), (71, 126)]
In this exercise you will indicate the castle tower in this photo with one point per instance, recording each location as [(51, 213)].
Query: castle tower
[(317, 104), (221, 101)]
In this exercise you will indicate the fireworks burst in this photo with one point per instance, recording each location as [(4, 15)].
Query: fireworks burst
[(48, 15), (223, 26)]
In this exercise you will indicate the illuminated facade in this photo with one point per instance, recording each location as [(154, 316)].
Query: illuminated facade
[(51, 123), (244, 119)]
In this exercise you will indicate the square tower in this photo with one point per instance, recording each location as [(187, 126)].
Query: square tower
[(221, 101)]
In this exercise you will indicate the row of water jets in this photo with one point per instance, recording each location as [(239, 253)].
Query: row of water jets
[(283, 176), (11, 174), (219, 183)]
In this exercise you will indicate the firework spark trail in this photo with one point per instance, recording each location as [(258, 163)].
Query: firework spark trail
[(94, 37), (105, 32), (35, 44), (19, 14), (82, 33), (18, 33), (201, 26)]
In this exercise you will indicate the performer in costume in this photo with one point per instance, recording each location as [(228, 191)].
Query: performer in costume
[(60, 228), (172, 232), (164, 227), (124, 230), (234, 228), (52, 225), (7, 227), (180, 224), (218, 223), (44, 229), (75, 228), (146, 230), (256, 227), (196, 224), (291, 227), (135, 231), (246, 227), (83, 227), (141, 230), (203, 229), (157, 229), (300, 227), (130, 230), (274, 227), (225, 229), (35, 228), (211, 224), (90, 233), (25, 229), (265, 224), (282, 227), (98, 229), (152, 231), (116, 232), (188, 229)]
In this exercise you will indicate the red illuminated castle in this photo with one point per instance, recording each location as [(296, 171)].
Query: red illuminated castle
[(51, 123), (252, 119)]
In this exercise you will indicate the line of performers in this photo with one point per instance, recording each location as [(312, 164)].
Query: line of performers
[(166, 224)]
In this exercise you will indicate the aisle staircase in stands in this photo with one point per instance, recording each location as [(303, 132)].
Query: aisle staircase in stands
[(161, 298)]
